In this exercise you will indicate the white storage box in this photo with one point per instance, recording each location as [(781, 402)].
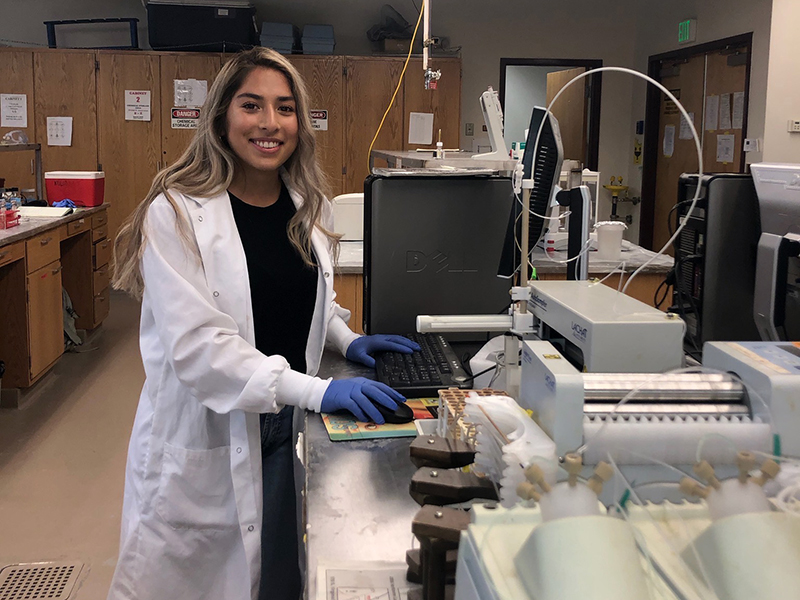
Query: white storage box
[(348, 216)]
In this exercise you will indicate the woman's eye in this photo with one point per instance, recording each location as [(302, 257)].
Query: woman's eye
[(250, 106), (287, 109)]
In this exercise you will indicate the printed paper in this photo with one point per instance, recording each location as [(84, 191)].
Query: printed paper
[(190, 92), (14, 110), (319, 119), (669, 140), (712, 113), (738, 110), (725, 111), (420, 128), (725, 148), (686, 131), (137, 105), (59, 131)]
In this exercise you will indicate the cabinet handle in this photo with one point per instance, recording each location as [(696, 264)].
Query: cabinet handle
[(3, 254), (46, 241), (56, 271)]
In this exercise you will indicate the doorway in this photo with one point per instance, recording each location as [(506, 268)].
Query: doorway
[(712, 82), (529, 82)]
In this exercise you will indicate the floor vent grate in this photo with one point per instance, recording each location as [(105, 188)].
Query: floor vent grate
[(39, 581)]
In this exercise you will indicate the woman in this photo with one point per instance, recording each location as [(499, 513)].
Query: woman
[(231, 256)]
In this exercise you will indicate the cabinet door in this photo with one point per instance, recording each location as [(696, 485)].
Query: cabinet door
[(323, 78), (45, 320), (16, 77), (65, 86), (130, 150), (444, 102), (369, 86), (181, 66)]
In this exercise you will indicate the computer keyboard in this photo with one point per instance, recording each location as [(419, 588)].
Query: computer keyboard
[(421, 374)]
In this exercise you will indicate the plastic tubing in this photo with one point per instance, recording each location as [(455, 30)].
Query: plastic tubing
[(685, 116)]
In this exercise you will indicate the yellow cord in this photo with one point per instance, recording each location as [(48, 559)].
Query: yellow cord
[(399, 83)]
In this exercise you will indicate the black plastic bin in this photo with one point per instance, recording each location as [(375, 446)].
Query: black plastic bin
[(202, 26)]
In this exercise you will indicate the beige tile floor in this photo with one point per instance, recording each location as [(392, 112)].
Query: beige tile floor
[(62, 456)]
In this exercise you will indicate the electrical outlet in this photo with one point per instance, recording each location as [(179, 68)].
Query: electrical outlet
[(751, 145), (794, 126), (469, 129), (484, 128)]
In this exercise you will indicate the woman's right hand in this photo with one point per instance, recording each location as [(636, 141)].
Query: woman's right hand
[(358, 395)]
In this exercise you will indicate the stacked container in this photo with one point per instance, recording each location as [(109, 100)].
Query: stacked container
[(281, 37), (318, 39)]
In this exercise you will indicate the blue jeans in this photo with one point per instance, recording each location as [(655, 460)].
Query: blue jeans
[(280, 567)]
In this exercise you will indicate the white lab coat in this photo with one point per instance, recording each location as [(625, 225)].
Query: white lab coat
[(191, 522)]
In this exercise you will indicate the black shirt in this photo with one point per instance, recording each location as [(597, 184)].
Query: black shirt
[(283, 288)]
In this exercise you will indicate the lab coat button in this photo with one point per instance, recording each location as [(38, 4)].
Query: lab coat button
[(327, 274), (251, 528), (239, 450), (216, 294), (200, 218)]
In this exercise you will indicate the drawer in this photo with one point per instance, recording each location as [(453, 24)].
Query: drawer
[(76, 227), (101, 302), (101, 279), (99, 219), (42, 250), (101, 253), (12, 252), (99, 233)]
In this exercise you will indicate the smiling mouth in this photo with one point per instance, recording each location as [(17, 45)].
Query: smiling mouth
[(266, 145)]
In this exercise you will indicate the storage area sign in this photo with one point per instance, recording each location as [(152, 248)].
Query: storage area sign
[(319, 119), (185, 118)]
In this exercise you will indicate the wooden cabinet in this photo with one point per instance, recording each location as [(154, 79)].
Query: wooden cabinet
[(130, 151), (45, 319), (180, 66), (323, 76), (349, 288), (100, 278), (444, 102), (16, 77)]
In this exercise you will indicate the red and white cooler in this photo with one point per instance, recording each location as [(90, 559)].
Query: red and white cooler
[(84, 188)]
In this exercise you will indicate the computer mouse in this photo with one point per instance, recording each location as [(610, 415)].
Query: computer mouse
[(403, 414)]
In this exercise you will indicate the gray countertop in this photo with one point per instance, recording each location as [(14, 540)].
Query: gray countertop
[(30, 226), (357, 503)]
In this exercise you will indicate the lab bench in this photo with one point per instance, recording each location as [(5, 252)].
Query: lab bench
[(37, 258), (357, 503)]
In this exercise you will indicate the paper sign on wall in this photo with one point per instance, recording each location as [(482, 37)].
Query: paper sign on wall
[(712, 113), (190, 92), (137, 105), (738, 110), (59, 131), (14, 110), (725, 111), (725, 146), (185, 118), (686, 131), (669, 140), (319, 119), (420, 128)]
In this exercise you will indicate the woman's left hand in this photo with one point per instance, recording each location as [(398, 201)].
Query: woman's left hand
[(361, 349)]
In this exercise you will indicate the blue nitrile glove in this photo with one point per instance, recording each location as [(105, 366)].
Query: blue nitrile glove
[(360, 349), (356, 395)]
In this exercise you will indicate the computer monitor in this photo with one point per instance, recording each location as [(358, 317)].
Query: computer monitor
[(542, 163), (431, 246)]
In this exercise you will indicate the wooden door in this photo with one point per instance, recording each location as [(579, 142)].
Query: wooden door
[(45, 319), (369, 86), (181, 66), (675, 155), (323, 79), (16, 77), (65, 86), (129, 150), (726, 79), (570, 111), (444, 102)]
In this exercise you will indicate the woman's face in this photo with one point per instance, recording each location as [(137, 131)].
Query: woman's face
[(262, 120)]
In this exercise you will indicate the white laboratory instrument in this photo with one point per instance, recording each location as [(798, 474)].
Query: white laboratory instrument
[(493, 117)]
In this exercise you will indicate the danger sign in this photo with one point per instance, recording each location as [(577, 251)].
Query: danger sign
[(185, 118), (319, 119)]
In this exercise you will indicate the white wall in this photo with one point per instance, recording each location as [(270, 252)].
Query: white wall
[(783, 84)]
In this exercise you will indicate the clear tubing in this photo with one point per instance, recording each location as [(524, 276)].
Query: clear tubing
[(685, 116)]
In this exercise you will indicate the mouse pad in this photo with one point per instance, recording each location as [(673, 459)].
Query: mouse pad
[(345, 427)]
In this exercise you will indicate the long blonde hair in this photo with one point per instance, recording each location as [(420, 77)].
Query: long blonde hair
[(207, 166)]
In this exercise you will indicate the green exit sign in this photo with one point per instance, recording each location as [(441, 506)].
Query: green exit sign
[(687, 31)]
